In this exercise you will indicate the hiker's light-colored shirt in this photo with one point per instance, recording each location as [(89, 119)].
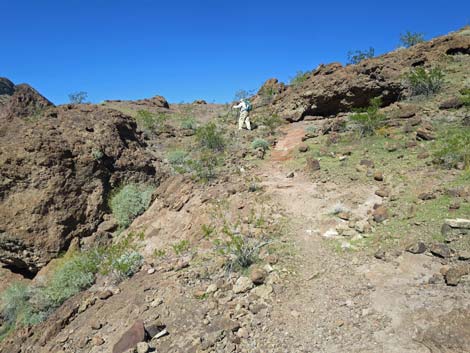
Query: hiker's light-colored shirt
[(243, 105)]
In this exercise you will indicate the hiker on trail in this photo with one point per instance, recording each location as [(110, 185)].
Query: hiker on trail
[(245, 107)]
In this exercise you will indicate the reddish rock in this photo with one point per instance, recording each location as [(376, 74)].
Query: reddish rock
[(130, 338), (56, 173), (380, 214), (378, 176), (313, 164)]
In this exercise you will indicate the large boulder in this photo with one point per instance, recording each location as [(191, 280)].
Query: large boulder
[(56, 172), (331, 89)]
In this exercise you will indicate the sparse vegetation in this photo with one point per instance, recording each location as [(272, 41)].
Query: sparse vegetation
[(465, 97), (204, 165), (260, 143), (241, 252), (369, 119), (272, 122), (311, 130), (242, 94), (408, 39), (181, 246), (299, 77), (97, 154), (78, 97), (129, 202), (356, 56), (25, 305), (189, 123), (426, 82), (208, 136), (178, 160), (150, 122), (453, 148)]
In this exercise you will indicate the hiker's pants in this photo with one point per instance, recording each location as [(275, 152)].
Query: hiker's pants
[(244, 118)]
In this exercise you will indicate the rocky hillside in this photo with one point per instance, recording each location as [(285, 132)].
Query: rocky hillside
[(331, 89), (322, 230)]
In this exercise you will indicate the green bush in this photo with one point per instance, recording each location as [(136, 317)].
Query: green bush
[(71, 277), (177, 158), (409, 39), (260, 143), (356, 56), (23, 305), (311, 130), (453, 148), (204, 166), (424, 82), (272, 122), (78, 97), (369, 119), (181, 246), (240, 252), (14, 303), (299, 77), (208, 136), (150, 122), (189, 123), (465, 98), (129, 202)]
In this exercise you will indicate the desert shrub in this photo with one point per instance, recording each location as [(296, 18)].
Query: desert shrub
[(189, 123), (181, 246), (408, 39), (356, 56), (203, 166), (369, 119), (272, 122), (260, 143), (97, 154), (453, 148), (23, 305), (311, 130), (149, 122), (208, 136), (465, 97), (71, 277), (129, 202), (299, 77), (240, 252), (78, 97), (421, 81), (178, 160), (243, 94), (14, 303)]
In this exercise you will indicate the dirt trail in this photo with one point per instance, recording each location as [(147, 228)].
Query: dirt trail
[(347, 301)]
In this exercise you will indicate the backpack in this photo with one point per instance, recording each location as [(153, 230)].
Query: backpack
[(249, 107)]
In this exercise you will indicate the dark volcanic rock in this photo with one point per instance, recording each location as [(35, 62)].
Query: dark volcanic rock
[(55, 174), (24, 102), (452, 103), (331, 89), (130, 338)]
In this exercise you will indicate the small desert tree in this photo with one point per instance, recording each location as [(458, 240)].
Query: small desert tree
[(78, 97), (356, 56), (409, 39)]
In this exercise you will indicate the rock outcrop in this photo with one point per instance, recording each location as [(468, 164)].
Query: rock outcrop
[(20, 100), (331, 89), (56, 172)]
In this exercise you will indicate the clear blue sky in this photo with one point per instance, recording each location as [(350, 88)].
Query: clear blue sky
[(185, 50)]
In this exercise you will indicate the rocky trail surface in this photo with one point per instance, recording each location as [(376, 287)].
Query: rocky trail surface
[(338, 301)]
